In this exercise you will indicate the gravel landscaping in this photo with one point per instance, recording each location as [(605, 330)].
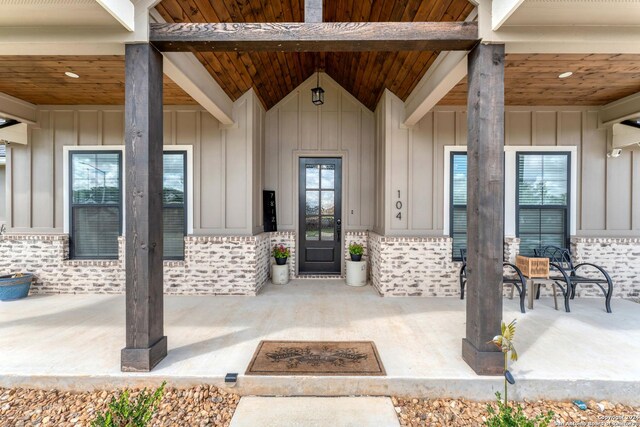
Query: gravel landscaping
[(457, 412), (197, 406)]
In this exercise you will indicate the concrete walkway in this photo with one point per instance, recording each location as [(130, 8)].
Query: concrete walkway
[(74, 342), (315, 412)]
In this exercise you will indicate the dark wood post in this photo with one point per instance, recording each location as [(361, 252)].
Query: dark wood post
[(485, 208), (146, 343)]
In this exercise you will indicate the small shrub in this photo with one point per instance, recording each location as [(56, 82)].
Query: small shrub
[(125, 412), (356, 249), (514, 416)]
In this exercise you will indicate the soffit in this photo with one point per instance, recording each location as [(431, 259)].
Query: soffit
[(532, 79), (33, 13), (41, 80), (576, 12)]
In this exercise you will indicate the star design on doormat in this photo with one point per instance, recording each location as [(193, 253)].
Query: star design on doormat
[(296, 356)]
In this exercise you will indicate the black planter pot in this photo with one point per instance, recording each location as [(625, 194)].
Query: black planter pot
[(281, 261), (356, 257)]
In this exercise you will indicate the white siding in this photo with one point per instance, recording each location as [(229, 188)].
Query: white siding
[(608, 193), (223, 165), (342, 127)]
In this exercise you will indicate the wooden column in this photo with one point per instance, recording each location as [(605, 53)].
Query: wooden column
[(146, 343), (485, 208)]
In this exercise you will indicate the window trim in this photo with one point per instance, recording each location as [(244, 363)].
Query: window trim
[(72, 205), (510, 184), (567, 206), (66, 178)]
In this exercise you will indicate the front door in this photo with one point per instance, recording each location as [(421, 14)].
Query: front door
[(320, 209)]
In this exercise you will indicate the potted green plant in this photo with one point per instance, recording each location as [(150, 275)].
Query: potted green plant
[(281, 253), (15, 286), (356, 250)]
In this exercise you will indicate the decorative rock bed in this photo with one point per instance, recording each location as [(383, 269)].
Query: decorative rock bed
[(197, 406), (459, 412)]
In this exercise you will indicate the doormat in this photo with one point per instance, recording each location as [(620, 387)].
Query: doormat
[(316, 358)]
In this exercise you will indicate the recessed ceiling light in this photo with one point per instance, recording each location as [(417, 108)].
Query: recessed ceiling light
[(72, 75), (565, 74)]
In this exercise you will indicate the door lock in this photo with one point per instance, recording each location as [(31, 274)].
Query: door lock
[(338, 228)]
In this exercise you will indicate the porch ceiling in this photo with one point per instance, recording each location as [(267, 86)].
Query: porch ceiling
[(41, 80), (273, 75), (532, 79)]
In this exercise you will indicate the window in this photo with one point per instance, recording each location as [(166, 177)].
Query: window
[(96, 204), (542, 200), (458, 202), (174, 210)]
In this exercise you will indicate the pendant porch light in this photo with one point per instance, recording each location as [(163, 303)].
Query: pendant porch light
[(317, 93)]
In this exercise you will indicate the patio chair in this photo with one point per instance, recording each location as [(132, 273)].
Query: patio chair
[(560, 262), (516, 279)]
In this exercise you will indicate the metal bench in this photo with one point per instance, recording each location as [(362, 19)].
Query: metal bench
[(566, 272), (516, 280)]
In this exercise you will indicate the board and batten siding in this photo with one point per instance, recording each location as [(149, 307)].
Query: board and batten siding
[(342, 127), (224, 172), (608, 189)]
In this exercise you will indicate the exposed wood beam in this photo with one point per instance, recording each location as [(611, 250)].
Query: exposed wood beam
[(446, 72), (315, 37), (485, 212), (501, 10), (17, 109), (312, 10), (189, 73), (146, 344), (122, 10), (622, 109)]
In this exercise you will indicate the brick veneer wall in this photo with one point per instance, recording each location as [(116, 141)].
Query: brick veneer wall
[(288, 239), (413, 266), (228, 265), (620, 257), (213, 265)]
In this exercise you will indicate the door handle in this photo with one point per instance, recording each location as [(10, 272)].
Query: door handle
[(338, 228)]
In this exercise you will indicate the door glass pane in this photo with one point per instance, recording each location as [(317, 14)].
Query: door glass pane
[(312, 203), (327, 228), (328, 205), (312, 231), (313, 176), (328, 177)]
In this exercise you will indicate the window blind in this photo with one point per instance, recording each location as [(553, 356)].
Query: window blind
[(542, 200), (96, 204), (174, 204), (458, 202)]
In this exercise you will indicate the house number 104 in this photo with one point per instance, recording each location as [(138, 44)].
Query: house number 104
[(399, 208)]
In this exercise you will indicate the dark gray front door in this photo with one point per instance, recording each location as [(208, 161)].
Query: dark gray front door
[(320, 208)]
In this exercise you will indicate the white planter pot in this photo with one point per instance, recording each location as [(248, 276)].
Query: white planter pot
[(356, 273), (279, 274)]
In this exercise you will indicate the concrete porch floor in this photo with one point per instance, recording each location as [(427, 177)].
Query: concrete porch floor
[(74, 342)]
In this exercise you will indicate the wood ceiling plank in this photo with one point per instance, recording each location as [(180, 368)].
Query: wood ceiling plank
[(171, 10), (41, 80)]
